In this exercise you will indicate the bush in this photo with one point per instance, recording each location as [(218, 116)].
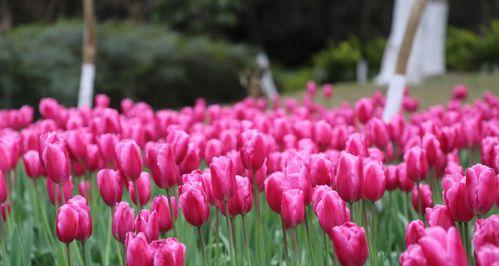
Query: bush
[(337, 62), (144, 62)]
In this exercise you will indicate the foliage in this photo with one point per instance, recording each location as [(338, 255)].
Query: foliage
[(144, 62)]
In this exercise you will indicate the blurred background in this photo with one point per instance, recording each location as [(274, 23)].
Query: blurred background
[(169, 52)]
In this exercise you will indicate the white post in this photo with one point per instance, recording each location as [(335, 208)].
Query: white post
[(88, 66), (268, 85)]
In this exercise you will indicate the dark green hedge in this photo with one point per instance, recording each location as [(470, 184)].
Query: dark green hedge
[(144, 62)]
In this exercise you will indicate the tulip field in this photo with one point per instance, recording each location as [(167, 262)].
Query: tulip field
[(278, 182)]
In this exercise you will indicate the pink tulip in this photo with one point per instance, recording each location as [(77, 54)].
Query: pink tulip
[(426, 198), (253, 149), (377, 132), (331, 210), (392, 181), (454, 189), (327, 90), (194, 206), (84, 188), (123, 219), (292, 208), (486, 232), (128, 159), (138, 252), (79, 203), (274, 190), (110, 186), (357, 145), (321, 170), (405, 184), (213, 149), (364, 110), (439, 216), (373, 184), (414, 231), (417, 164), (222, 178), (161, 206), (161, 160), (3, 188), (480, 190), (93, 159), (442, 247), (192, 159), (66, 227), (179, 141), (348, 177), (242, 201), (487, 255), (322, 133), (147, 223), (106, 143), (101, 100), (56, 163), (143, 185), (350, 244), (460, 92), (32, 165), (5, 209), (54, 191), (168, 252), (447, 139), (413, 256)]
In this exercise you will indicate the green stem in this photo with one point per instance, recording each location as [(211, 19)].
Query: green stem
[(137, 199), (229, 234), (68, 254), (258, 222), (84, 251), (373, 236), (245, 240), (172, 215), (407, 213), (308, 237), (325, 248), (295, 246), (201, 245), (285, 239)]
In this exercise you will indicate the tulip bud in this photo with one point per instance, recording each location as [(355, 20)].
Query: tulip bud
[(161, 206), (414, 231), (439, 216), (32, 165), (252, 149), (194, 206), (54, 190), (417, 164), (480, 190), (405, 184), (143, 185), (192, 159), (123, 219), (213, 149), (350, 244), (442, 247), (356, 145), (84, 188), (373, 185), (327, 90), (110, 186), (5, 209), (101, 100), (292, 208), (322, 133), (273, 191), (93, 160), (242, 200), (321, 170), (128, 159), (56, 163), (487, 255), (106, 143), (454, 189), (179, 141), (222, 178), (413, 256), (147, 223), (348, 177), (168, 252), (161, 160), (331, 210), (138, 252), (392, 181), (486, 232), (377, 132), (3, 188), (66, 226), (364, 110), (84, 231), (426, 198)]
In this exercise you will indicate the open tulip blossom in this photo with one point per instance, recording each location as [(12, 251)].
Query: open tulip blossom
[(280, 182)]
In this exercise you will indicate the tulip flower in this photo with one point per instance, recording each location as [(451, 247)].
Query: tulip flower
[(192, 159), (222, 178), (84, 231), (487, 255), (413, 256), (454, 189), (56, 163), (405, 184), (93, 159), (373, 183), (486, 232), (414, 231), (54, 191), (123, 220), (364, 110), (128, 159), (106, 143), (439, 216), (392, 181), (194, 206), (110, 186), (213, 149), (147, 223), (273, 191), (348, 177), (168, 252), (356, 145), (84, 188), (331, 210), (5, 209), (350, 244), (480, 189), (32, 165), (143, 192), (417, 164), (443, 247), (321, 170), (179, 141), (327, 90), (241, 202), (3, 188), (322, 133), (420, 203), (377, 132), (161, 206), (138, 252), (252, 149), (292, 208), (161, 160), (67, 223)]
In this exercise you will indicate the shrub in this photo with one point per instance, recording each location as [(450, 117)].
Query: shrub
[(144, 62)]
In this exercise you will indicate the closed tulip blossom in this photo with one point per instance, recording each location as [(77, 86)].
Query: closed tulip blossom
[(321, 170), (213, 149), (480, 189), (274, 190), (54, 191), (391, 177), (417, 164), (106, 143), (110, 186), (443, 247), (486, 232), (322, 133), (147, 223), (161, 205), (405, 184), (413, 256), (241, 202), (192, 159), (348, 177), (143, 186), (3, 188), (56, 163), (292, 208), (414, 231), (180, 142), (84, 218), (373, 185), (32, 164), (138, 252), (123, 220), (488, 255), (194, 206), (439, 216), (222, 178), (168, 252), (350, 244), (129, 159), (161, 160), (331, 211), (67, 223), (253, 150), (357, 145), (454, 189), (84, 188), (364, 110), (420, 203)]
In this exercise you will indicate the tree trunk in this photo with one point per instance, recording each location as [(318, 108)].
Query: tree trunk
[(88, 67)]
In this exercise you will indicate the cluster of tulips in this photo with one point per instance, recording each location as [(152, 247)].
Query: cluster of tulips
[(267, 167)]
